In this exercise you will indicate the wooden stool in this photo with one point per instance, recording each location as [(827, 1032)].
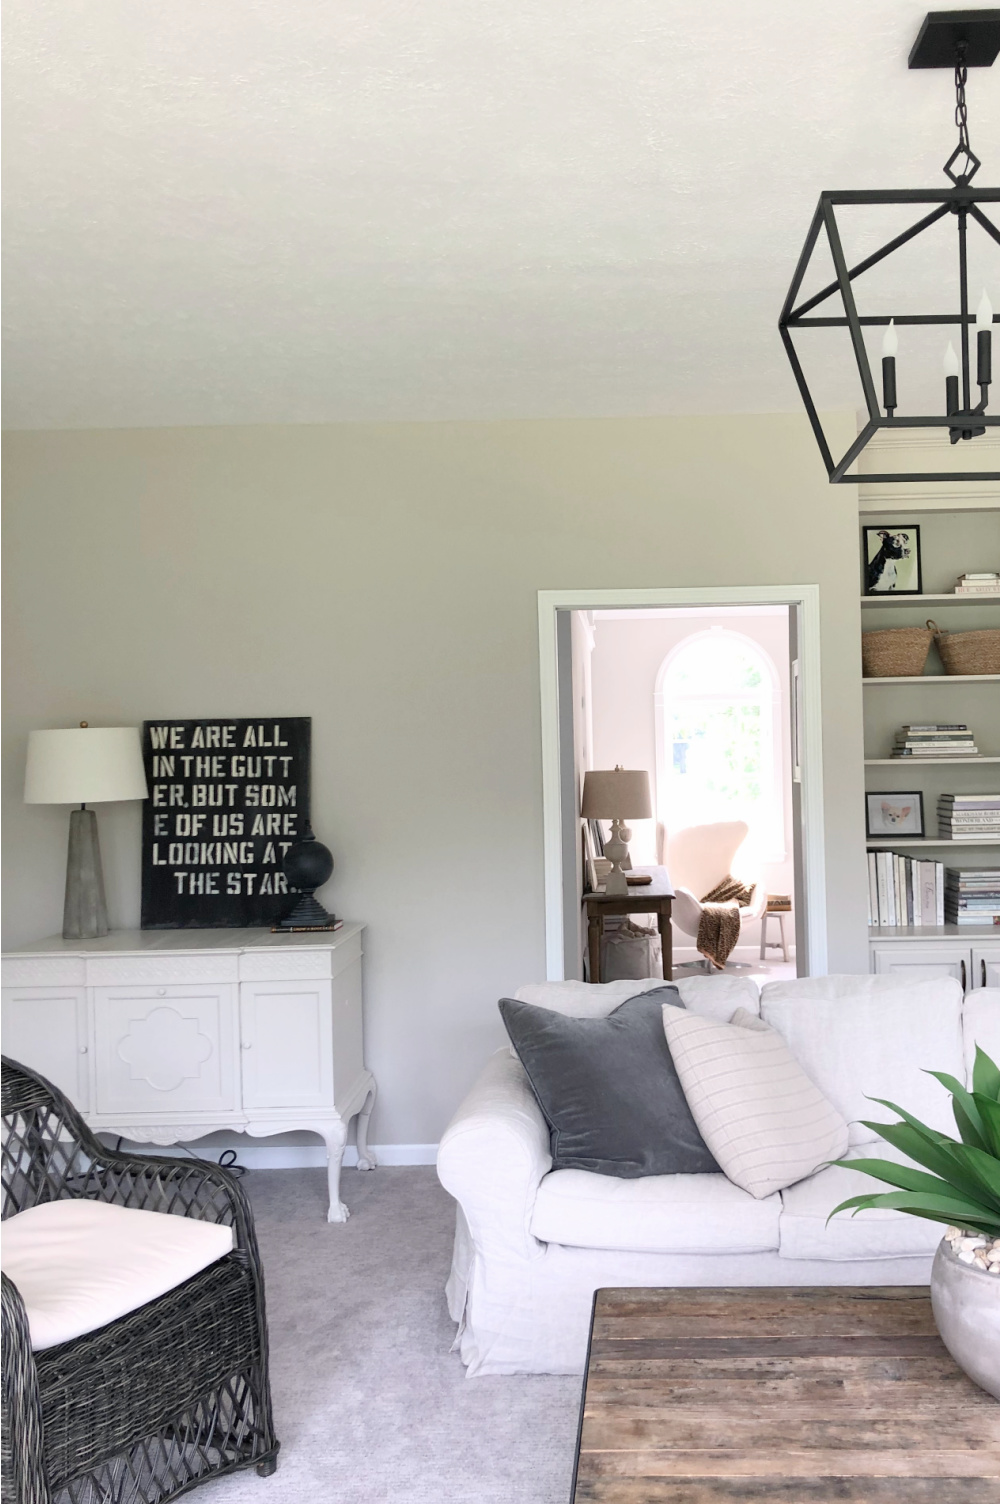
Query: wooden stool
[(777, 908)]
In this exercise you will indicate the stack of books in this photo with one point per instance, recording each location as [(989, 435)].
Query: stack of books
[(986, 583), (972, 895), (904, 890), (969, 817), (935, 739)]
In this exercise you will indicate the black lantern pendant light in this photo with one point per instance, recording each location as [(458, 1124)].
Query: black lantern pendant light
[(948, 39)]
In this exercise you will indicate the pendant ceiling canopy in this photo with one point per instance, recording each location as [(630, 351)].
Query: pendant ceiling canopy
[(842, 305)]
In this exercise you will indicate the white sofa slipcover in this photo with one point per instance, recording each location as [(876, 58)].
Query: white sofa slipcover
[(522, 1297)]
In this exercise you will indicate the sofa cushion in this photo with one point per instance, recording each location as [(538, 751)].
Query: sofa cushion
[(761, 1116), (714, 997), (981, 1025), (80, 1264), (660, 1214), (608, 1088), (874, 1234), (861, 1036)]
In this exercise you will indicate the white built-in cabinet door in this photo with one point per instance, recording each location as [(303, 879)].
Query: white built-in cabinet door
[(924, 960), (986, 966), (165, 1049), (287, 1044), (46, 1029)]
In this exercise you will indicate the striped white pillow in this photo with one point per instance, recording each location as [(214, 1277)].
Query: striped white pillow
[(763, 1119)]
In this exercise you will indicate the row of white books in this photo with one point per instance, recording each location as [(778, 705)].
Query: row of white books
[(904, 890)]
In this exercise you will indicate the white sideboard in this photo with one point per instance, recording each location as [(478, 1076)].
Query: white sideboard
[(971, 956), (166, 1035)]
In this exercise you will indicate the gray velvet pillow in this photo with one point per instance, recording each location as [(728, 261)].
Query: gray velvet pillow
[(608, 1088)]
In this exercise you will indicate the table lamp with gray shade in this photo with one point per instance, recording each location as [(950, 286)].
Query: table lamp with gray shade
[(618, 794), (89, 765)]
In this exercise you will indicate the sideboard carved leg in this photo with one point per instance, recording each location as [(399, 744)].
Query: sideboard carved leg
[(366, 1156), (335, 1137)]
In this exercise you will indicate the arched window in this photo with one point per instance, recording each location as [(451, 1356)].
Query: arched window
[(718, 731)]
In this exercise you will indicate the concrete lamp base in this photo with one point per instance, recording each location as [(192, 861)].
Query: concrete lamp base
[(85, 912)]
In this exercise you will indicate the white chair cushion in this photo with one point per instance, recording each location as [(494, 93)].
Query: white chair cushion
[(711, 997), (80, 1264), (861, 1036), (980, 1025), (874, 1234), (757, 1110), (657, 1214)]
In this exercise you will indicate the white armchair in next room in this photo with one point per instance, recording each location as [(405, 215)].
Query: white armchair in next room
[(698, 859)]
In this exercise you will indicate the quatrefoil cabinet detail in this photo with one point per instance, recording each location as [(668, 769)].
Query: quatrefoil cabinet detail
[(166, 1036)]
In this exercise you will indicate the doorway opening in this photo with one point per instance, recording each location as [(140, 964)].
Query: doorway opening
[(714, 694)]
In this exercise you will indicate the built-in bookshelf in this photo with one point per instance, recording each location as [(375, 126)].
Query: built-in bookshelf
[(955, 536)]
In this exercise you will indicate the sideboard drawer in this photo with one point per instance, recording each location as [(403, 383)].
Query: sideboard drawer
[(46, 1028), (165, 1050)]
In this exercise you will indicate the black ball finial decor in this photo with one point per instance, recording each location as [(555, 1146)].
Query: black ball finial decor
[(307, 866)]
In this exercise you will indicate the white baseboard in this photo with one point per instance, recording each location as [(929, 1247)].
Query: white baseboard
[(298, 1156)]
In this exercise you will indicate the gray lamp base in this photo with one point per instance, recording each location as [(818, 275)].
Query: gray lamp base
[(85, 912)]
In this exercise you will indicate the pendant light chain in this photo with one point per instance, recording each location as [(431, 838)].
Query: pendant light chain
[(964, 148)]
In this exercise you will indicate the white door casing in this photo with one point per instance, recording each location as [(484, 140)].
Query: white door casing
[(803, 597)]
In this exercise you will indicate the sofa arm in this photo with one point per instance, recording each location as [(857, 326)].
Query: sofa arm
[(493, 1155)]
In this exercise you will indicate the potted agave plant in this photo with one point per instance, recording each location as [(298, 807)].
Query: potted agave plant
[(962, 1190)]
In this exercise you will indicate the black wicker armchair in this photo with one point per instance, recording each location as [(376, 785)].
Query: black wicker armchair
[(173, 1393)]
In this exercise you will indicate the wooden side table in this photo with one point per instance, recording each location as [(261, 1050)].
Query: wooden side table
[(653, 898)]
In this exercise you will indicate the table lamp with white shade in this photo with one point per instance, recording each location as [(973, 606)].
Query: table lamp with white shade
[(617, 794), (88, 765)]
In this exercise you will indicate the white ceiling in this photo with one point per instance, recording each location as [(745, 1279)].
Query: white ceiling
[(266, 211)]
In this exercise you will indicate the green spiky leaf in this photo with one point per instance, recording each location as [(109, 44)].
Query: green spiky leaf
[(967, 1115), (985, 1076)]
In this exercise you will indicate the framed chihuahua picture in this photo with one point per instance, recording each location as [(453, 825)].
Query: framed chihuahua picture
[(894, 815)]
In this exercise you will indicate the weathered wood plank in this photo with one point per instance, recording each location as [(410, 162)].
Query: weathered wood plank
[(743, 1490), (780, 1396), (723, 1300), (937, 1392), (890, 1318), (684, 1427), (814, 1462), (770, 1347)]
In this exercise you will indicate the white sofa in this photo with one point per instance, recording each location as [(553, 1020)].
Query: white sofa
[(532, 1244)]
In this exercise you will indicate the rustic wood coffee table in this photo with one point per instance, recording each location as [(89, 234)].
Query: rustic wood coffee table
[(780, 1396)]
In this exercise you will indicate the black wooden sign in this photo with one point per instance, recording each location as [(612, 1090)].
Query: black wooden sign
[(226, 800)]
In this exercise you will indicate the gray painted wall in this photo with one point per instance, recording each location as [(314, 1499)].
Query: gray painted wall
[(383, 579)]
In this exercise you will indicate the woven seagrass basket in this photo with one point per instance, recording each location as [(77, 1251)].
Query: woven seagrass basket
[(896, 652), (969, 652)]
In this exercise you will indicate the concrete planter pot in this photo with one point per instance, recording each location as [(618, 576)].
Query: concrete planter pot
[(966, 1304)]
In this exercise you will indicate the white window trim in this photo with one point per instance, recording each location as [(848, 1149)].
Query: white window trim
[(776, 850), (808, 713)]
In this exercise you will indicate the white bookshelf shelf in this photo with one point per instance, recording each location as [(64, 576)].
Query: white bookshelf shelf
[(926, 762), (990, 597), (923, 679), (880, 843), (933, 931)]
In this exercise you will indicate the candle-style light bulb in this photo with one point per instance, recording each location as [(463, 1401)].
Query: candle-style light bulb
[(984, 343), (984, 313), (951, 366), (890, 341)]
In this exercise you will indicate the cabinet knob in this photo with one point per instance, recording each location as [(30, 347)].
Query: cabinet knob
[(161, 992), (246, 1045), (83, 1049)]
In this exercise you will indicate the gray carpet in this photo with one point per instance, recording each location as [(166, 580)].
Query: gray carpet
[(369, 1403)]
